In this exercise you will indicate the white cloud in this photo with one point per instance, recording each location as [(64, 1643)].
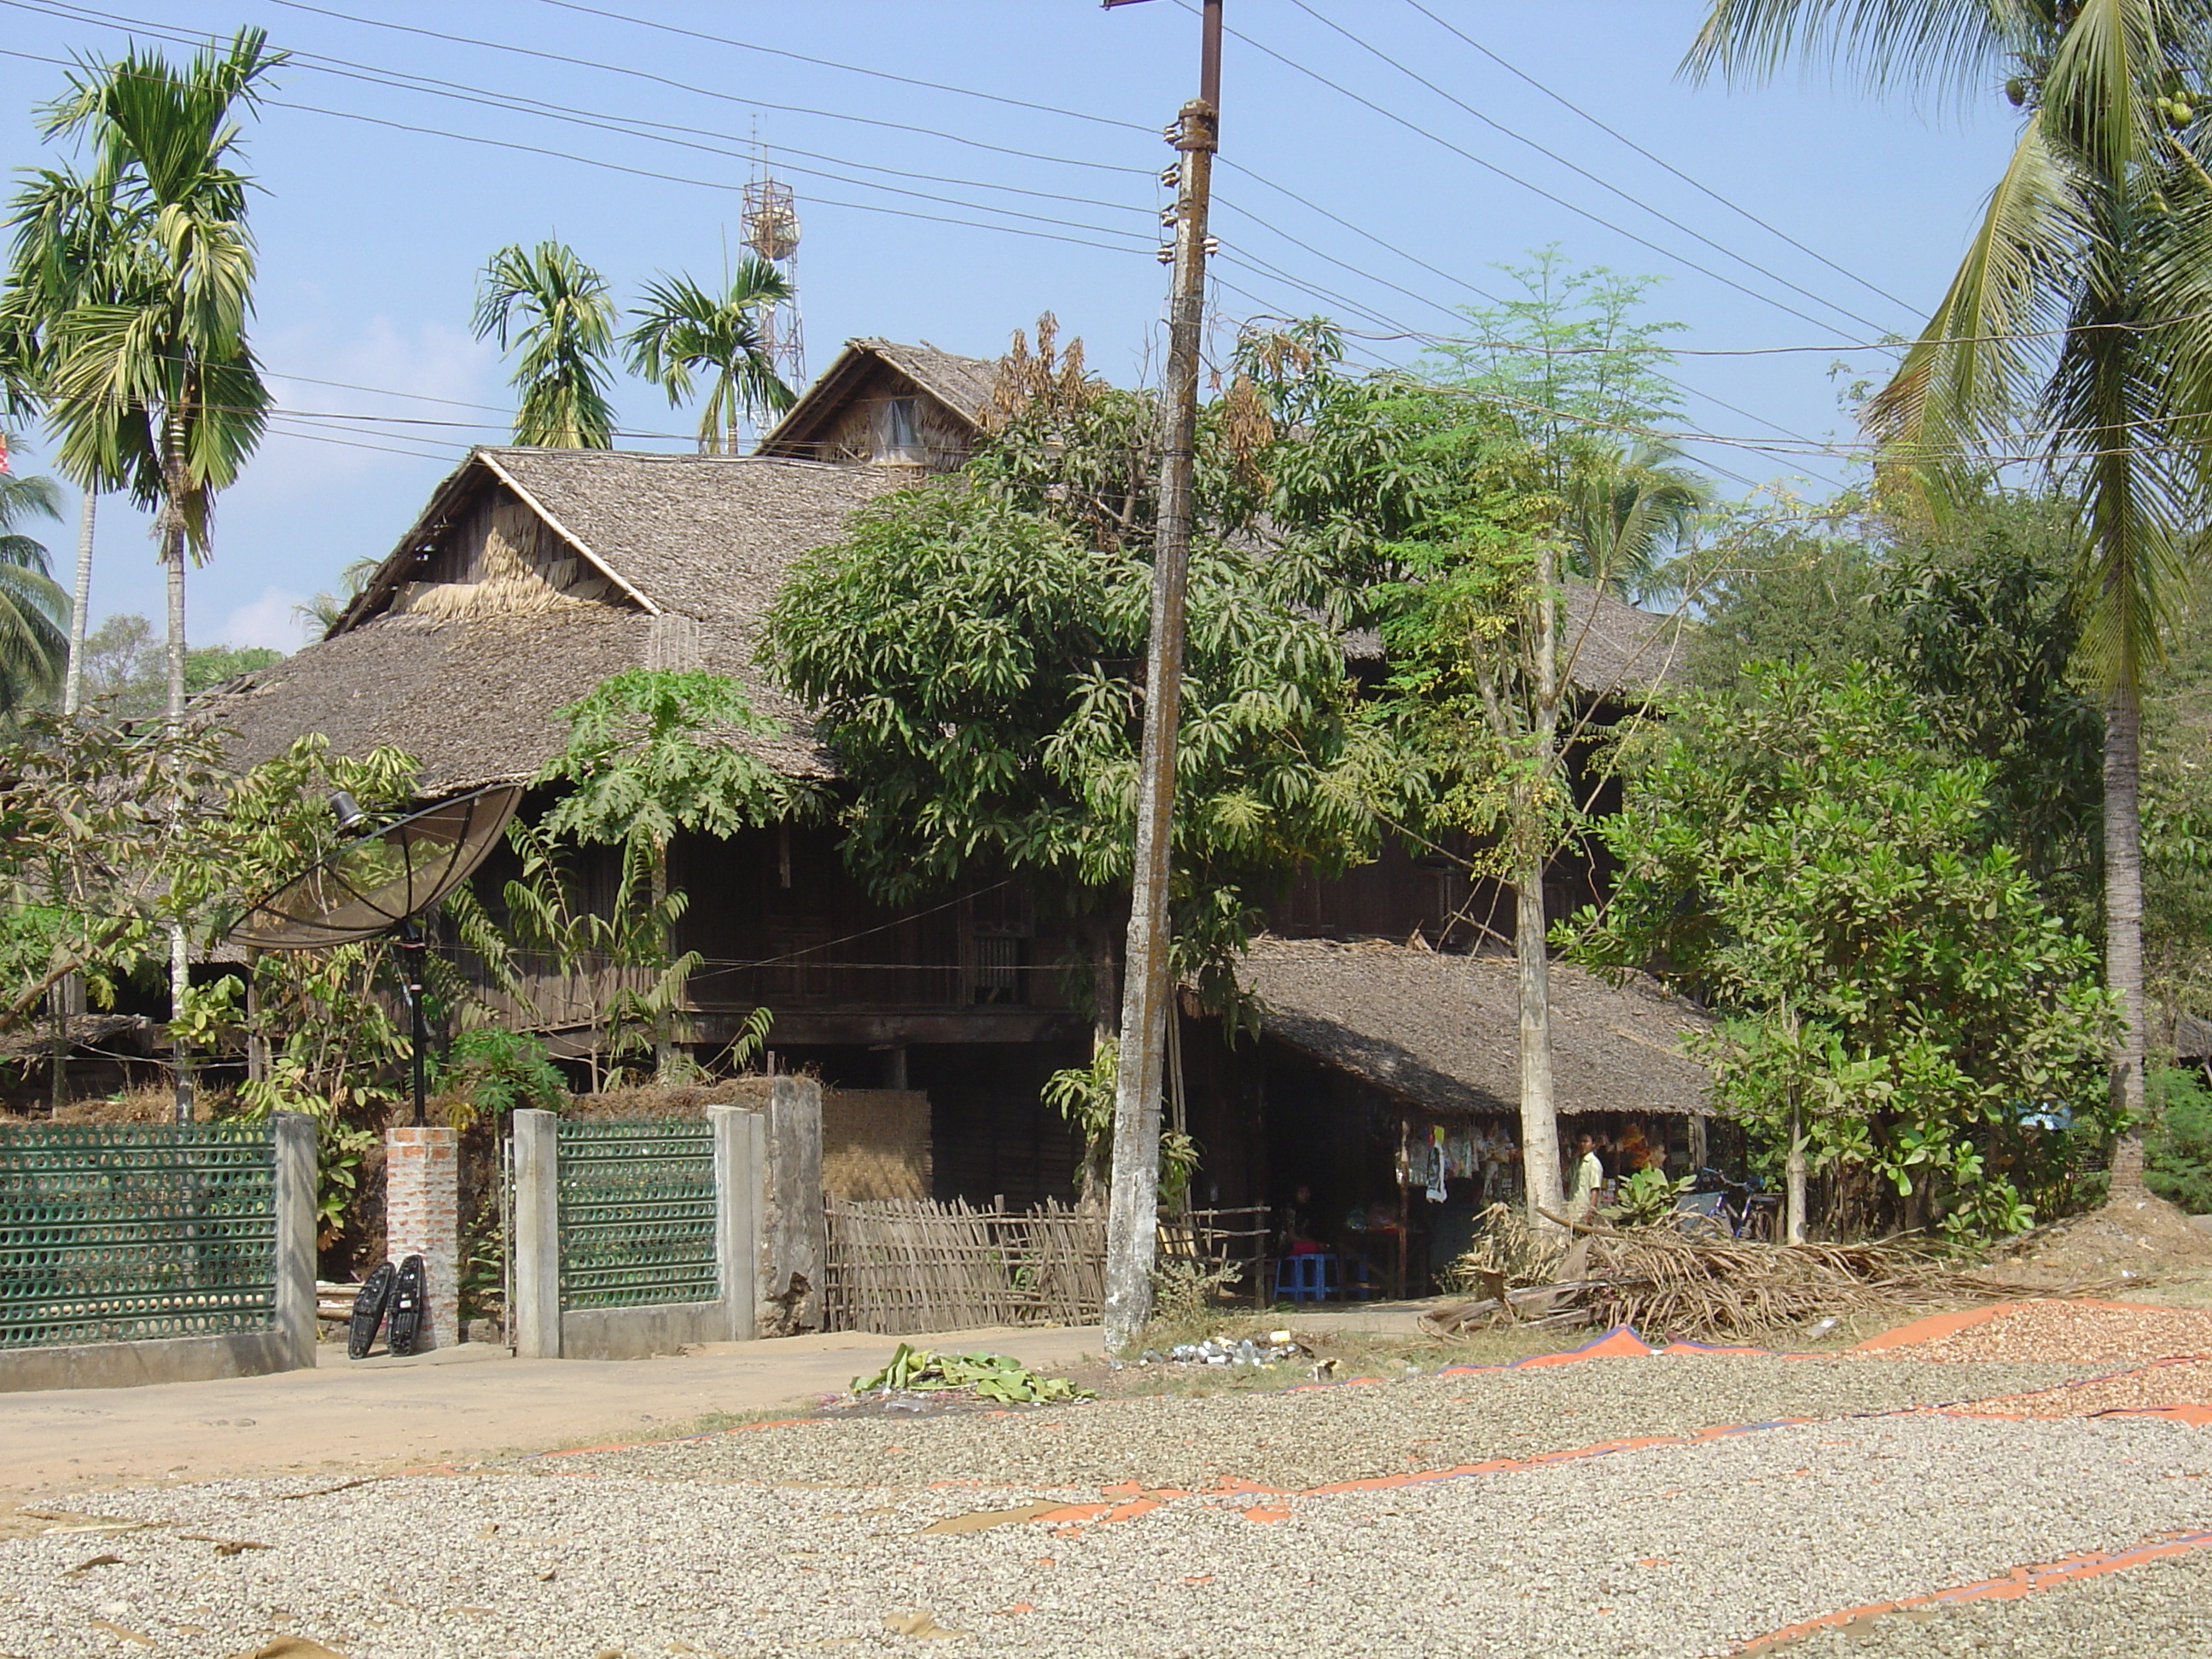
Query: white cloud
[(269, 621)]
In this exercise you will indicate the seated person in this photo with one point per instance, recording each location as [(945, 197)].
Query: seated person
[(1296, 1237)]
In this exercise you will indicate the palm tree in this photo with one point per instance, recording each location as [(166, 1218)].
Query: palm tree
[(683, 329), (557, 310), (2074, 332), (70, 245), (147, 373), (1628, 516), (151, 381), (33, 645)]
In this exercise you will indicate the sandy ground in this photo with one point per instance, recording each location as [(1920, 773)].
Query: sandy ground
[(469, 1402)]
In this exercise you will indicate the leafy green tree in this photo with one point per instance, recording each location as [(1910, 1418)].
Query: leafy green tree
[(974, 649), (123, 668), (1986, 636), (116, 831), (1897, 1001), (33, 611), (2074, 330), (654, 751), (2177, 1159), (1790, 593), (1453, 513), (684, 330), (555, 309)]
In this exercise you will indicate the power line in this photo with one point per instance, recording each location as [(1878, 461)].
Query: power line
[(1577, 167), (1559, 200), (708, 92), (826, 62), (594, 162), (629, 126), (1657, 160), (649, 173)]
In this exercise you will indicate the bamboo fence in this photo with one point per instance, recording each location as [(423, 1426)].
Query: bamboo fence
[(900, 1266)]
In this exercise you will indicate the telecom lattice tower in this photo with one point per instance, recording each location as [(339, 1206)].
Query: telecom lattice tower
[(772, 232)]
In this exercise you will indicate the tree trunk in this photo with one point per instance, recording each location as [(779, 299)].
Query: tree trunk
[(2124, 927), (1793, 1180), (1105, 1036), (664, 1044), (73, 683), (1540, 1121), (172, 561)]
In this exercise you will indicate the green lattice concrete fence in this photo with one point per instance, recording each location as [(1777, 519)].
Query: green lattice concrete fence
[(637, 1214), (123, 1233)]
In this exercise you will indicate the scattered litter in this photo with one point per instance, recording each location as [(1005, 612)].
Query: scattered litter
[(1225, 1351), (1824, 1328), (993, 1377)]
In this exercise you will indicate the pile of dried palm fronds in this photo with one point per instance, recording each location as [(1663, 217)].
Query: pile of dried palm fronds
[(1665, 1284)]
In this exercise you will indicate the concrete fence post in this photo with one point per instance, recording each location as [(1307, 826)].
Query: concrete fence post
[(423, 1217), (740, 1146), (293, 1135), (536, 1311), (797, 1229)]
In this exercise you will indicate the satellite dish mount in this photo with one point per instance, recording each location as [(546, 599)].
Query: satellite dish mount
[(379, 884)]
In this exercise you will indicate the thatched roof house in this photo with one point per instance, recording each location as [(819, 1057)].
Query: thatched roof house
[(881, 401), (533, 574), (1440, 1032)]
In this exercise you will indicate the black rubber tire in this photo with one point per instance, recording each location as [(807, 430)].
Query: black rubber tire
[(369, 1307), (410, 1305)]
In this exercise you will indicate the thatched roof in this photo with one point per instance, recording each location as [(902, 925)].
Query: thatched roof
[(963, 384), (1608, 647), (1442, 1032), (694, 549)]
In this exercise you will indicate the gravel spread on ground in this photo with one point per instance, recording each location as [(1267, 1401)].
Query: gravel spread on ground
[(2070, 1333), (1295, 1439), (2161, 1384), (2161, 1607), (1671, 1551)]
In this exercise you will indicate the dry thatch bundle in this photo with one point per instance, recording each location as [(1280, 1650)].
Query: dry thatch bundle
[(1665, 1284), (1503, 1244)]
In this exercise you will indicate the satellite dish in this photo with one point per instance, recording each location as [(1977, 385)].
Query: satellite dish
[(371, 886), (378, 882)]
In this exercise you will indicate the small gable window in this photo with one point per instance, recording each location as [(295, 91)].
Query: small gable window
[(902, 430)]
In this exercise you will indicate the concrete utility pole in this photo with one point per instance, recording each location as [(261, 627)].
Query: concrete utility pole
[(1147, 1002)]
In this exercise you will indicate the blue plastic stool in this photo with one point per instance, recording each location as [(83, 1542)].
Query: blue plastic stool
[(1305, 1277), (1360, 1283)]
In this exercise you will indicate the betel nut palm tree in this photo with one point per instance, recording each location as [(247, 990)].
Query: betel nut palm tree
[(147, 376), (32, 647), (684, 330), (554, 308), (2076, 332), (152, 384)]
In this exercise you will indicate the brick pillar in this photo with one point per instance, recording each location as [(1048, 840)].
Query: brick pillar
[(423, 1217)]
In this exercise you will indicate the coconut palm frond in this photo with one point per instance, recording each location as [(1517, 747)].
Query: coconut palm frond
[(1982, 357), (1951, 47)]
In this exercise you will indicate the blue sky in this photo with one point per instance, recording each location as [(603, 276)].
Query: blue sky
[(372, 233)]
